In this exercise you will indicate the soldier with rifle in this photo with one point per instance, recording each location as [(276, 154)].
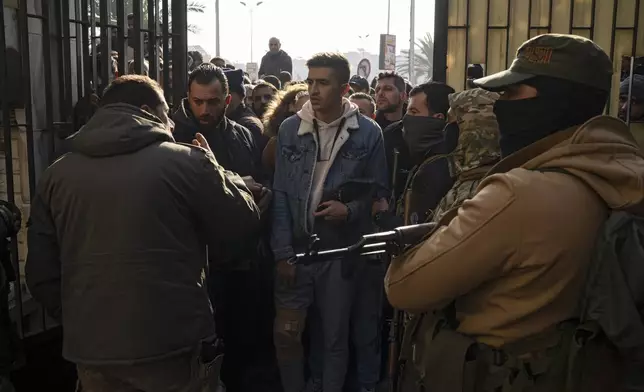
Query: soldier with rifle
[(501, 279)]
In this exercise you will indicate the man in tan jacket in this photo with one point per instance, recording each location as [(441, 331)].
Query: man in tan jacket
[(512, 258)]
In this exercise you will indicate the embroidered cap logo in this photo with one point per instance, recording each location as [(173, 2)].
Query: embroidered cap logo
[(537, 54)]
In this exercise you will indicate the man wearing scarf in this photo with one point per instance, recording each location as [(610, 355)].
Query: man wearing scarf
[(428, 145), (505, 271)]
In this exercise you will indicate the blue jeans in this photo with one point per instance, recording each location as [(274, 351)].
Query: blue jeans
[(323, 286), (366, 322), (365, 325)]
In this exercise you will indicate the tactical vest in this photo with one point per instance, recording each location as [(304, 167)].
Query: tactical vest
[(573, 356), (569, 357), (411, 206)]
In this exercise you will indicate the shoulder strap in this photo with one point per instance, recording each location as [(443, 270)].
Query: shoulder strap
[(552, 170)]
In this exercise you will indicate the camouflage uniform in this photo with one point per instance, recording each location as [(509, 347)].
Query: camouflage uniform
[(478, 145)]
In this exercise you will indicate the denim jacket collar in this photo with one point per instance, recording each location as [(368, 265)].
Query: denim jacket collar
[(350, 125)]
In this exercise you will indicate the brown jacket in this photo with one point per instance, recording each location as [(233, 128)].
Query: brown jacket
[(513, 257), (118, 236)]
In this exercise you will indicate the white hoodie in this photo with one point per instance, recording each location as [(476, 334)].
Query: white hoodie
[(328, 149)]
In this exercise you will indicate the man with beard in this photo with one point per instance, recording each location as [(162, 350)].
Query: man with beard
[(276, 60), (391, 96), (512, 260), (239, 112), (203, 111), (390, 100), (428, 143), (263, 93), (237, 288)]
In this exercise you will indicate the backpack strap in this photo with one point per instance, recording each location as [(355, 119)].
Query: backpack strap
[(552, 170)]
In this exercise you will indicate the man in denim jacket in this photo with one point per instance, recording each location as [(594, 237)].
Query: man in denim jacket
[(330, 167)]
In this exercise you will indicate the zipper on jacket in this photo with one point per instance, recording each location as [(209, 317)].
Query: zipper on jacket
[(308, 193)]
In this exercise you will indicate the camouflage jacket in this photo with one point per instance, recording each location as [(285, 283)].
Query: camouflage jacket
[(478, 145)]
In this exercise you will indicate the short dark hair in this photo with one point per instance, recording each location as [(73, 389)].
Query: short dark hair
[(437, 96), (399, 82), (336, 61), (262, 83), (135, 90), (365, 97), (207, 73), (285, 77), (218, 59), (274, 80)]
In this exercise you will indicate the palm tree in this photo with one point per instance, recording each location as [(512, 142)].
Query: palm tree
[(423, 60)]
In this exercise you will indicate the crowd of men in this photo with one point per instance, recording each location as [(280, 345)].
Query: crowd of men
[(167, 243)]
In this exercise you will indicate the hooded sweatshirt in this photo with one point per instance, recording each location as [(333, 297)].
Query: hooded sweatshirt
[(118, 236), (514, 256), (329, 141)]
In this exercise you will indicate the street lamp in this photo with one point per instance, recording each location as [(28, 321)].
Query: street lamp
[(251, 7)]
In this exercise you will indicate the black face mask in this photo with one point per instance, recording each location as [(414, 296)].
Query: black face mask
[(560, 104), (452, 132), (524, 122), (422, 134)]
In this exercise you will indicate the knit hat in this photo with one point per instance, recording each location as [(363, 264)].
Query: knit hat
[(235, 81), (638, 87)]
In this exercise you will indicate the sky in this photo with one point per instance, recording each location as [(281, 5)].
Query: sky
[(306, 27)]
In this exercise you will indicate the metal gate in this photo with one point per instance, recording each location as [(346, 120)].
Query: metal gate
[(56, 56), (488, 32)]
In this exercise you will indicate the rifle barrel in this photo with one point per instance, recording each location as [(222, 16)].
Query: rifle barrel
[(371, 244)]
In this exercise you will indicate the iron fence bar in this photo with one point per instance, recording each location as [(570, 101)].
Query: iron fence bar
[(106, 44), (92, 33), (441, 24), (8, 161), (67, 59), (507, 34), (61, 62), (612, 38), (592, 19), (26, 81), (121, 41), (6, 130), (87, 63), (467, 41), (179, 50), (550, 9), (165, 29), (79, 51), (153, 58), (487, 35), (49, 109), (572, 16), (529, 18), (35, 16), (636, 24), (138, 40), (612, 43)]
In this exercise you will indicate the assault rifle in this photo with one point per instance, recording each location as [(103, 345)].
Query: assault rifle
[(391, 243), (386, 242)]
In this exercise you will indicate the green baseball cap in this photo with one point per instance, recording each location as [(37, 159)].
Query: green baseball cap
[(562, 56)]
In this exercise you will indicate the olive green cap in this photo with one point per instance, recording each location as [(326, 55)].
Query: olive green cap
[(562, 56)]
